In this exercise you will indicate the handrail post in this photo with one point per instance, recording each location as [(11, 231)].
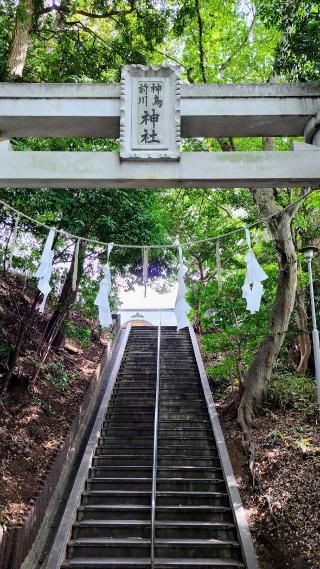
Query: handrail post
[(155, 449)]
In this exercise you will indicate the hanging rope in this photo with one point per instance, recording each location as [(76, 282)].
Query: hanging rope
[(155, 246)]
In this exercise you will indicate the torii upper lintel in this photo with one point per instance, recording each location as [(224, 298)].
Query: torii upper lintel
[(149, 111)]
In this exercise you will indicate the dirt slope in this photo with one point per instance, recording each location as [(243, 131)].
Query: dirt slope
[(35, 418)]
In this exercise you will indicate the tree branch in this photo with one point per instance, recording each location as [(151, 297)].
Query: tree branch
[(65, 10), (171, 58), (201, 50), (227, 62)]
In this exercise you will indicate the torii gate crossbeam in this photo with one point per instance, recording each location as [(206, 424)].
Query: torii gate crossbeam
[(195, 169), (44, 110)]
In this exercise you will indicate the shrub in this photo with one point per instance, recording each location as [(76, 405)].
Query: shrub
[(294, 391), (5, 350), (55, 374), (79, 333)]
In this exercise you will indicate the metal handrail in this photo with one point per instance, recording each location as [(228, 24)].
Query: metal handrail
[(155, 449)]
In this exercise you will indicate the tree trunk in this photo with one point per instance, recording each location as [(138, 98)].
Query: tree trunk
[(197, 316), (21, 38), (25, 324), (238, 357), (261, 367), (304, 338), (54, 334)]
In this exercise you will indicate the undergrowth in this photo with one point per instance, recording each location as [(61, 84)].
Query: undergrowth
[(292, 391), (55, 373), (79, 333)]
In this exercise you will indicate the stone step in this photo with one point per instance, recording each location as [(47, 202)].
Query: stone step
[(116, 498), (178, 374), (122, 418), (197, 548), (135, 440), (134, 399), (191, 440), (139, 349), (167, 548), (106, 563), (180, 397), (195, 530), (178, 423), (194, 513), (138, 405), (190, 484), (144, 358), (114, 422), (120, 471), (186, 417), (186, 432), (180, 405), (188, 472), (103, 458), (113, 436), (125, 449), (181, 366), (176, 461), (180, 452), (187, 498), (164, 529), (128, 385), (109, 547), (136, 373), (146, 440), (127, 484), (183, 383), (125, 421), (179, 392), (199, 563), (119, 429), (134, 388), (118, 529), (177, 358), (123, 460), (167, 388), (122, 413), (163, 513), (128, 408), (189, 446), (100, 512), (129, 563)]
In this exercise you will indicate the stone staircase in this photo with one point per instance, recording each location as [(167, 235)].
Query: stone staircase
[(195, 526)]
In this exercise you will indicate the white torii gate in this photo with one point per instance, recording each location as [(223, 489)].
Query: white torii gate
[(59, 110)]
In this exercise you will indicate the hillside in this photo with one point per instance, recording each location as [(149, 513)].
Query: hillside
[(35, 415)]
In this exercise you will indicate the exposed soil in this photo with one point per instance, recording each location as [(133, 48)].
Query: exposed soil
[(283, 508), (35, 416)]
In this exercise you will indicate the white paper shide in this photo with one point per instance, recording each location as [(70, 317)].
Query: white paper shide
[(252, 289), (45, 269)]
